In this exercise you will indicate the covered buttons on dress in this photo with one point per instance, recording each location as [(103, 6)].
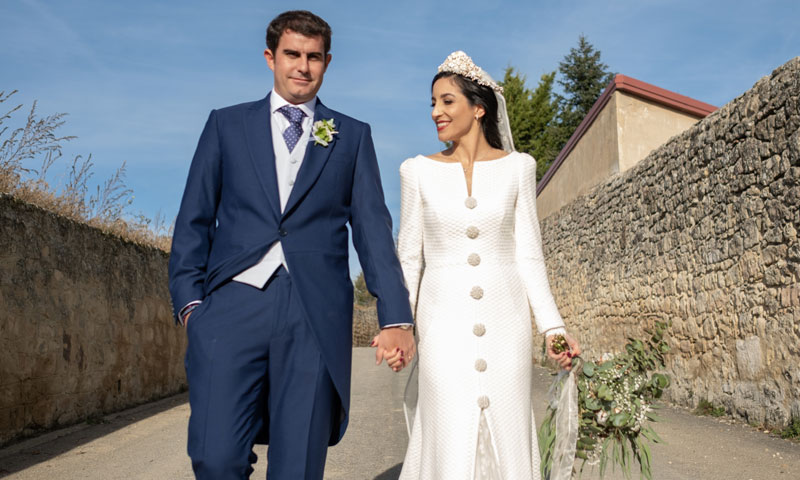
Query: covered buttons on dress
[(472, 232), (474, 259), (480, 365), (479, 329), (483, 402), (476, 293), (470, 202)]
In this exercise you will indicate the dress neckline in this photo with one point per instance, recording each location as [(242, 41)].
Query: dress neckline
[(474, 163), (468, 184)]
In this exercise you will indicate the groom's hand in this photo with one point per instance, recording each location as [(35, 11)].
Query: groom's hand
[(396, 346)]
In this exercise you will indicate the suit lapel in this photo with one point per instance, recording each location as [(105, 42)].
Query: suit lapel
[(313, 161), (258, 130)]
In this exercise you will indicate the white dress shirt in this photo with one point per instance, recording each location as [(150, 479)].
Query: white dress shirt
[(287, 164)]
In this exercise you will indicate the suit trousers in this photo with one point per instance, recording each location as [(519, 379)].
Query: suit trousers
[(254, 368)]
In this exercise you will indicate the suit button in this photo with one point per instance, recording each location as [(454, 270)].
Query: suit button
[(283, 232)]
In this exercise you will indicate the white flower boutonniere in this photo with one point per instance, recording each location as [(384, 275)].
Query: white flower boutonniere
[(323, 132)]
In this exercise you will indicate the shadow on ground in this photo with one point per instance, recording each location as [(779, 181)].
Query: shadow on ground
[(391, 474), (27, 453)]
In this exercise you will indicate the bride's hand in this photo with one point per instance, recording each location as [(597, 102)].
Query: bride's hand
[(396, 360), (564, 359)]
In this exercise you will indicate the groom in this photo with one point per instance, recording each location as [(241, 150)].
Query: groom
[(259, 268)]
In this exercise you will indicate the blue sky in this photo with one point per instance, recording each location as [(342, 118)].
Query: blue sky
[(139, 78)]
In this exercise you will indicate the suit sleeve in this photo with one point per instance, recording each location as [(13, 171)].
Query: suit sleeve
[(409, 241), (196, 221), (530, 257), (372, 237)]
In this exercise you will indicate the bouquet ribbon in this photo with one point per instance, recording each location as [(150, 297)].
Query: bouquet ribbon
[(564, 400)]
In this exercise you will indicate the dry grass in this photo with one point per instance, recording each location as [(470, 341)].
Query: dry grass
[(106, 208)]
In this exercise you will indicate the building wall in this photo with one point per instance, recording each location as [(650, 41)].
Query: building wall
[(703, 233), (643, 126), (591, 162)]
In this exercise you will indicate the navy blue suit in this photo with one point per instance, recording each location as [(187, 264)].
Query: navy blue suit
[(229, 217)]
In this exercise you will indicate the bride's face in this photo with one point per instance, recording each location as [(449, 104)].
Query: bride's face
[(452, 112)]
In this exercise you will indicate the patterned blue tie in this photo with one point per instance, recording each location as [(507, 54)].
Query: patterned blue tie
[(295, 116)]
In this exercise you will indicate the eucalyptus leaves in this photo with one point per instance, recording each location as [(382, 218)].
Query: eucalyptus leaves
[(615, 407)]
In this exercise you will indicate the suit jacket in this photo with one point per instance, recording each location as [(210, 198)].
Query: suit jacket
[(230, 216)]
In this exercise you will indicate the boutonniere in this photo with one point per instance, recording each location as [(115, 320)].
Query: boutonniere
[(323, 132)]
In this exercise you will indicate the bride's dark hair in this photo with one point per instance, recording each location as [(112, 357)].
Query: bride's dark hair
[(482, 97)]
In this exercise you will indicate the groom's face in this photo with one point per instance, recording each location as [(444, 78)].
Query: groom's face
[(298, 65)]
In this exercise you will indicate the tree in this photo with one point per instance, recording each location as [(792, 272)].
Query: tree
[(530, 113), (583, 79)]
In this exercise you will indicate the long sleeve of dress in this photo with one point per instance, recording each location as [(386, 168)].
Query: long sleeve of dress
[(529, 254), (409, 241)]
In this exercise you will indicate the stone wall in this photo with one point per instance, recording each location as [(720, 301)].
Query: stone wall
[(702, 232), (365, 325), (85, 322)]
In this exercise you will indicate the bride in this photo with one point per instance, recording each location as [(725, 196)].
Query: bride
[(471, 253)]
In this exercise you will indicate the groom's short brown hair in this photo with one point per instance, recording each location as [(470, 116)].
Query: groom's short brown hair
[(301, 21)]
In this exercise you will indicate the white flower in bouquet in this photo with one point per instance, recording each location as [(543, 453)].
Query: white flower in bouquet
[(602, 416)]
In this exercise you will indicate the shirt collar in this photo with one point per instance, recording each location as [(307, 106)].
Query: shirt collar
[(276, 102)]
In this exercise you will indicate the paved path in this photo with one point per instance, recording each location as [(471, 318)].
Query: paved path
[(148, 442)]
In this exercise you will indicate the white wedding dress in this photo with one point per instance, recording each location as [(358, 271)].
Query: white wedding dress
[(474, 267)]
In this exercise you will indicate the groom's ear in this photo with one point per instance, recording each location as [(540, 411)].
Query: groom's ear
[(327, 60), (271, 59)]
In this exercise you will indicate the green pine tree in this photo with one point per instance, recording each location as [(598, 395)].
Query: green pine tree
[(583, 78)]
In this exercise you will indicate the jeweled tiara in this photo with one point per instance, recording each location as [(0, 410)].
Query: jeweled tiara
[(459, 63)]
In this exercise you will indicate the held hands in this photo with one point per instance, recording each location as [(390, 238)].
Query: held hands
[(562, 356), (394, 345)]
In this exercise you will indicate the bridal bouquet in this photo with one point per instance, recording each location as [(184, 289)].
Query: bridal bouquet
[(614, 408)]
